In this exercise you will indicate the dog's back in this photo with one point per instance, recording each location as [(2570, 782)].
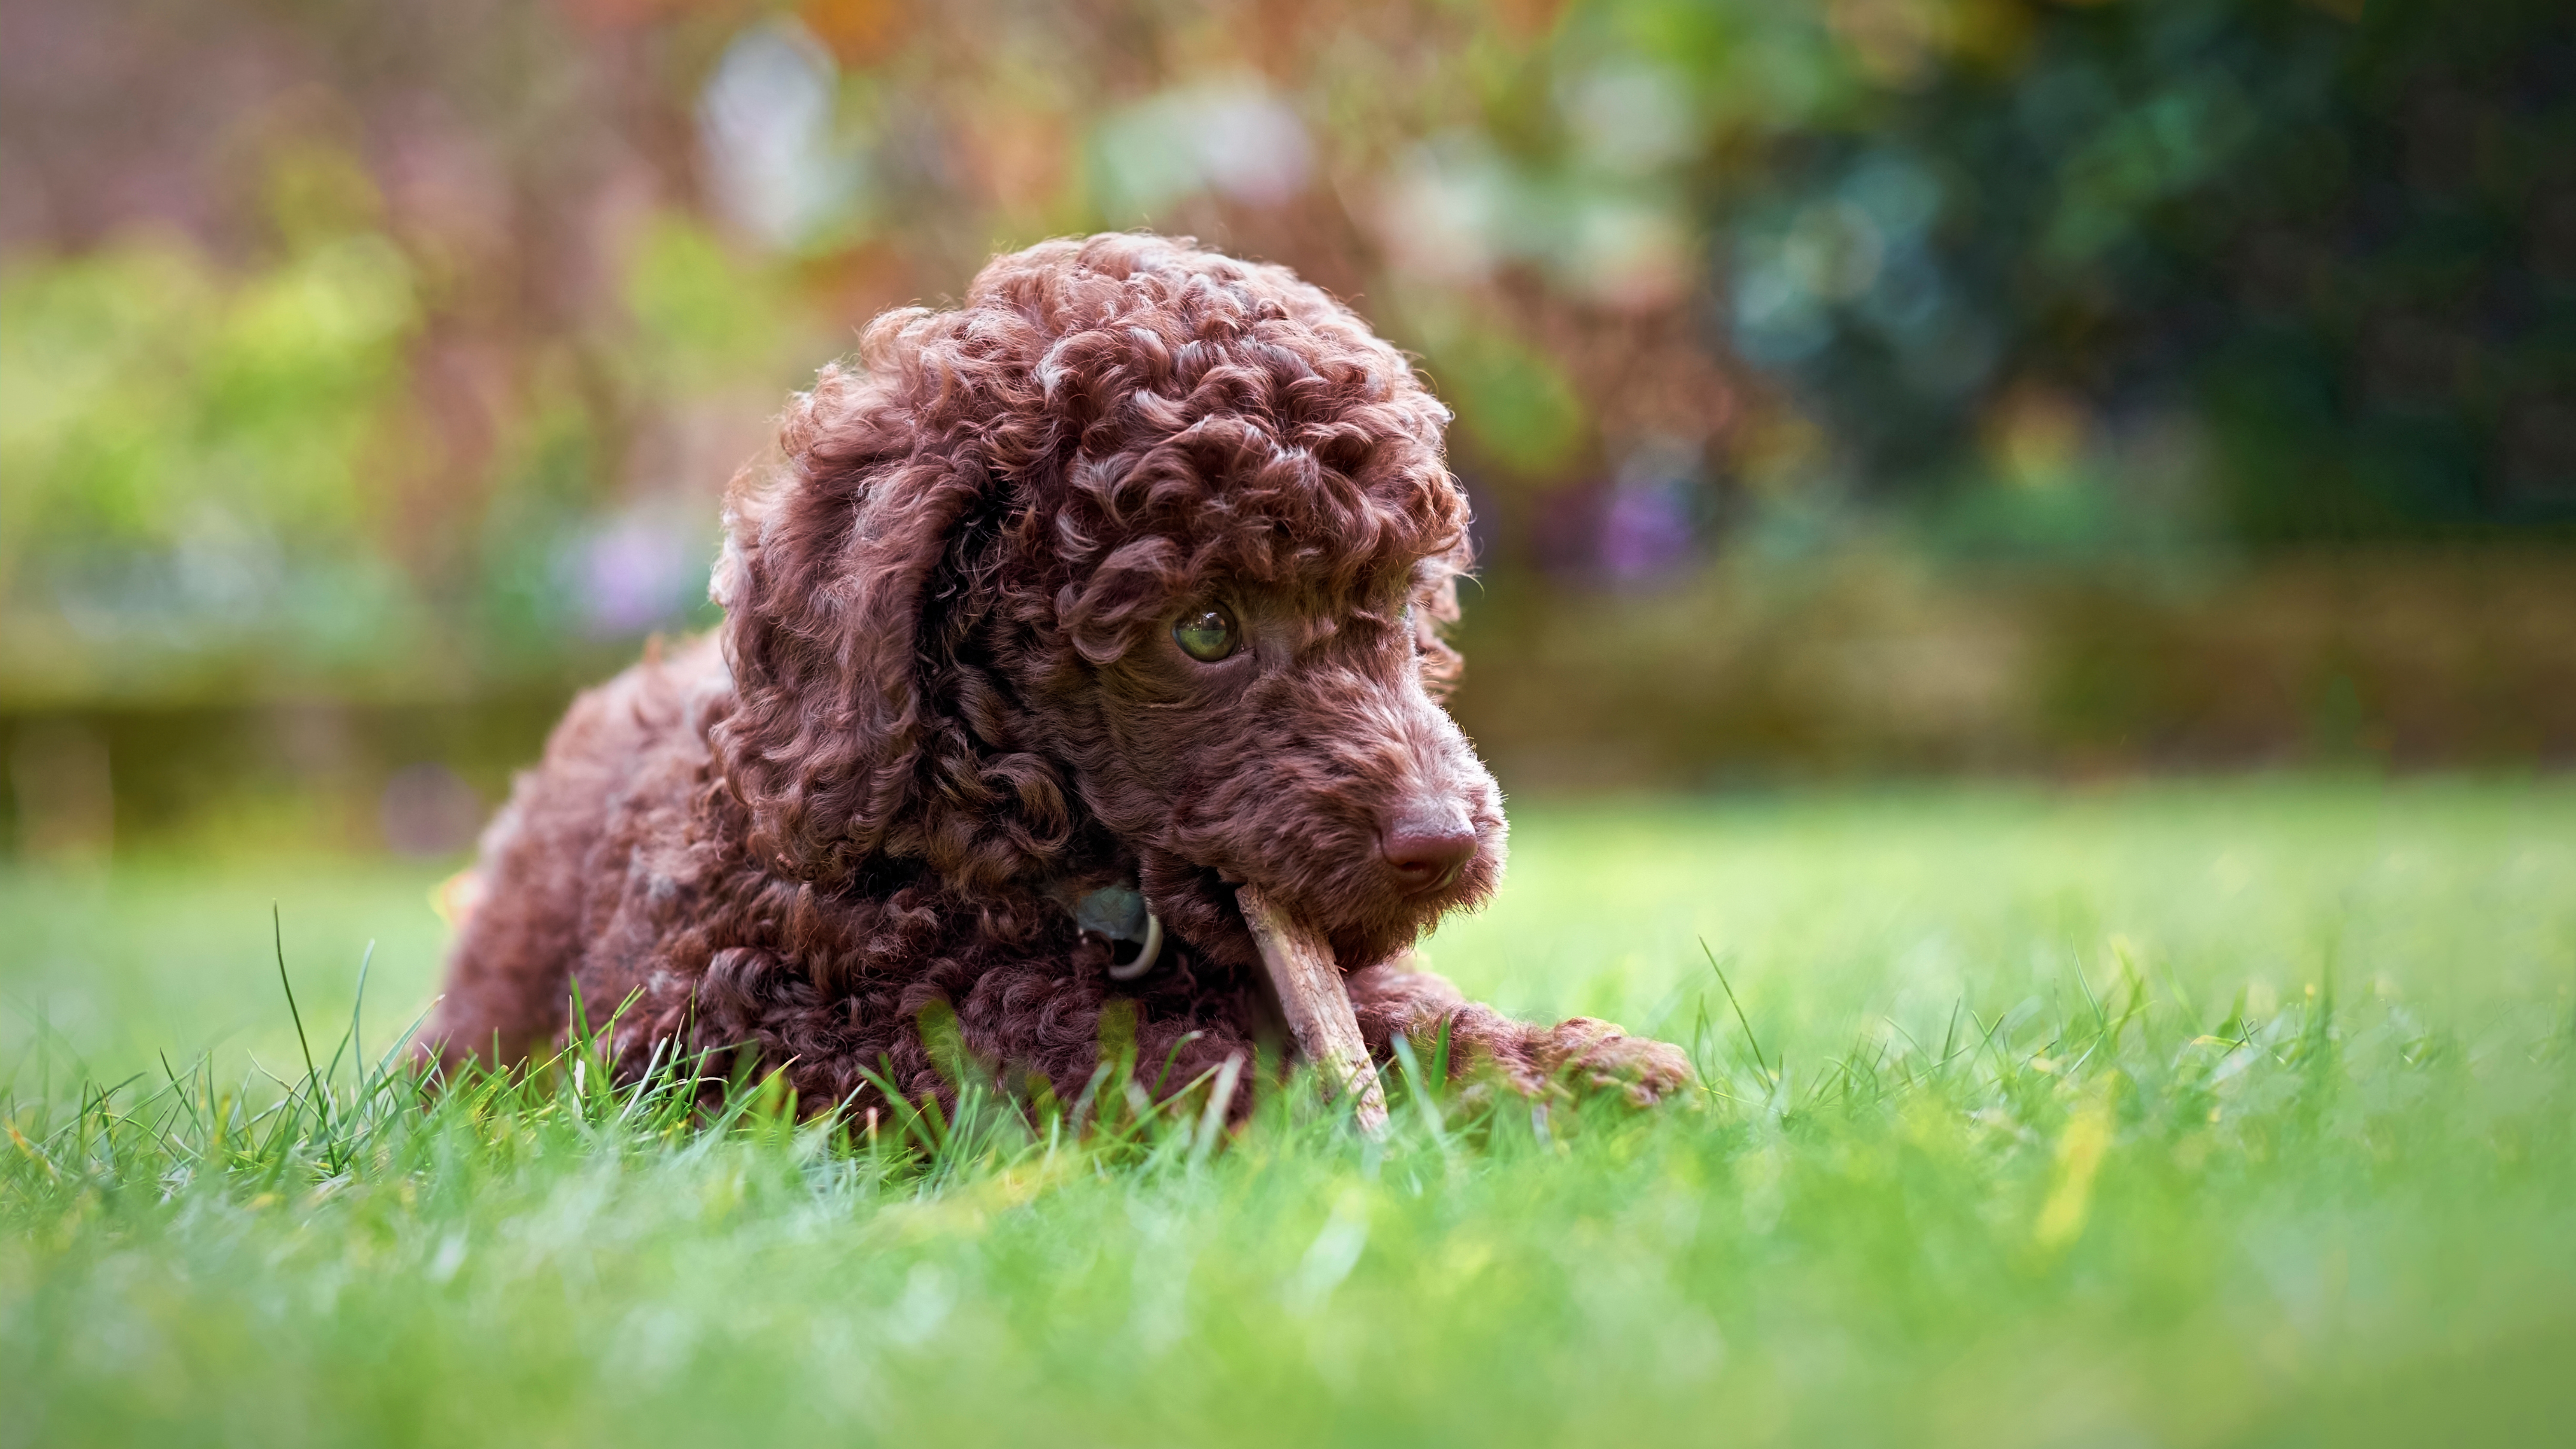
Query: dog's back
[(615, 782)]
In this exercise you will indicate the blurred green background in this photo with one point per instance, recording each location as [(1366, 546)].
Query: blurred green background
[(1871, 388)]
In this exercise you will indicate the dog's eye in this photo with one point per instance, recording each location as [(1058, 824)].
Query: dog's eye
[(1206, 635)]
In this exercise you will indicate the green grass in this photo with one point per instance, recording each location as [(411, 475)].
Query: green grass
[(2173, 1115)]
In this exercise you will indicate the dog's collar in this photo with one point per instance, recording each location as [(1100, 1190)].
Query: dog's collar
[(1119, 913)]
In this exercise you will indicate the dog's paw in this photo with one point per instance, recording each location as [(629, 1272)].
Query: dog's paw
[(1586, 1054)]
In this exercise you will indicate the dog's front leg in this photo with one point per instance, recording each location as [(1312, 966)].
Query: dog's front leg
[(1584, 1051)]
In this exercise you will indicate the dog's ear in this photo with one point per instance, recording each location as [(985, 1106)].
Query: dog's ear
[(822, 580)]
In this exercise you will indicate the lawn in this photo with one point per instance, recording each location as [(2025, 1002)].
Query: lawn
[(2224, 1113)]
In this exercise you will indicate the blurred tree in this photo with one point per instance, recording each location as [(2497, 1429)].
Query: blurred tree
[(2341, 239)]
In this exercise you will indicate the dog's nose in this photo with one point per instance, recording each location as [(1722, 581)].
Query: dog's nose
[(1427, 849)]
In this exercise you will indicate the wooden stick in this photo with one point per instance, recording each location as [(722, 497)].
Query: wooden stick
[(1316, 1003)]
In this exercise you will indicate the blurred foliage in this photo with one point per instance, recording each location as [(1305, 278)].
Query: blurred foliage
[(2343, 244), (1877, 661), (184, 446), (399, 352)]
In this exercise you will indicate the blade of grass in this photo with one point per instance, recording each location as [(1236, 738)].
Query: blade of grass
[(1740, 1018)]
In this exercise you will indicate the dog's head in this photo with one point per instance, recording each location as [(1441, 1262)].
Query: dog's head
[(1136, 563)]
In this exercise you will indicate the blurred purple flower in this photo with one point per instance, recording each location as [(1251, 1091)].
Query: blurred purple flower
[(638, 570), (1648, 529)]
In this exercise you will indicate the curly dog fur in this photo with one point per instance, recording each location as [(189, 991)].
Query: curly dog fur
[(947, 699)]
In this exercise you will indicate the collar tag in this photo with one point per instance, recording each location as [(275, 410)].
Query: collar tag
[(1119, 913)]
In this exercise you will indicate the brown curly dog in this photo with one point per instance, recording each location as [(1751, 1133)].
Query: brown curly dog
[(1068, 611)]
